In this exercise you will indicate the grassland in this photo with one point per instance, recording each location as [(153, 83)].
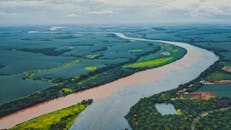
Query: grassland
[(93, 56), (150, 57), (90, 68), (135, 51), (58, 120), (67, 90), (30, 74), (150, 64), (157, 59), (217, 76)]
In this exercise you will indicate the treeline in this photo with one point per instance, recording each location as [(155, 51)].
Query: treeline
[(144, 115), (219, 120)]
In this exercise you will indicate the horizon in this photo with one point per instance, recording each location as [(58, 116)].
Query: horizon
[(123, 25)]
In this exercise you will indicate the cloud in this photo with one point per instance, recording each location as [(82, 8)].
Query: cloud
[(55, 28), (9, 14), (101, 12), (189, 7), (130, 3), (200, 7), (122, 10), (22, 3), (49, 4), (72, 15)]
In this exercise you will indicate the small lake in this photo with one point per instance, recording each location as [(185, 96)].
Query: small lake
[(166, 109)]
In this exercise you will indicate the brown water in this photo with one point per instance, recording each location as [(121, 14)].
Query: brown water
[(113, 100)]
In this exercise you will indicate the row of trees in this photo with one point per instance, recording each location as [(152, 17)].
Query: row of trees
[(219, 120)]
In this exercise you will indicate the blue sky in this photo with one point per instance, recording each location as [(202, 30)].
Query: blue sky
[(114, 11)]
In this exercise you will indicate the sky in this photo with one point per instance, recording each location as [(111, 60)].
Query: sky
[(25, 12)]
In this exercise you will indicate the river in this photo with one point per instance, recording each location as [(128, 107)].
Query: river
[(108, 113), (112, 101)]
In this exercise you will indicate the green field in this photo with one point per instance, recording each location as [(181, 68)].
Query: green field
[(135, 51), (58, 120), (217, 76), (158, 59), (67, 90), (93, 56), (90, 68), (149, 64)]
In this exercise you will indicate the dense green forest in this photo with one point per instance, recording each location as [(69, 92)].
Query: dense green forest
[(218, 120)]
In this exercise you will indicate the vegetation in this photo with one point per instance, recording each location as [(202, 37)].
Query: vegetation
[(217, 76), (67, 90), (90, 68), (2, 66), (144, 116), (150, 64), (157, 59), (135, 51), (93, 56), (30, 74), (217, 90), (58, 120), (150, 57), (45, 51), (94, 78), (218, 120)]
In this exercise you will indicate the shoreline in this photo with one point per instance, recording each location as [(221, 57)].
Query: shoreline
[(100, 91)]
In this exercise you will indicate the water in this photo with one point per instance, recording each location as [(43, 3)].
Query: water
[(166, 109), (108, 113)]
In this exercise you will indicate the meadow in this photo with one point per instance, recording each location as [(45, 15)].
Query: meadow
[(60, 119)]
